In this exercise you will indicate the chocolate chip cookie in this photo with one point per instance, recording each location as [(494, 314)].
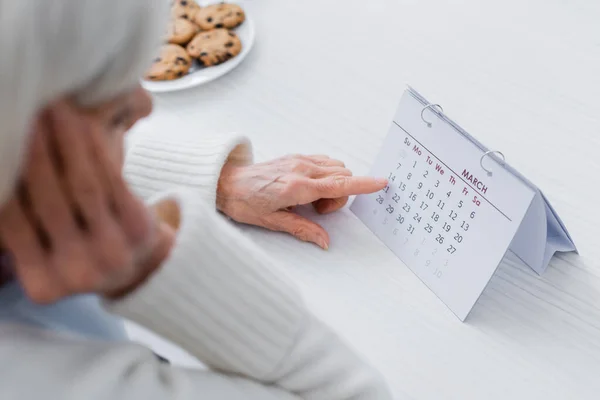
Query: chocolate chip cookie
[(218, 16), (214, 47), (185, 9), (181, 31), (172, 62)]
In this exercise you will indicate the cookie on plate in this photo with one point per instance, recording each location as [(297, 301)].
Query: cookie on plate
[(172, 62), (181, 31), (214, 47), (218, 16), (185, 9)]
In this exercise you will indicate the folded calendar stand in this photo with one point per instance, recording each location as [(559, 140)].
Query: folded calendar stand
[(542, 233), (453, 208)]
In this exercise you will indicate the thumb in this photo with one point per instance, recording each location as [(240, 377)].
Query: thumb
[(297, 226), (163, 244)]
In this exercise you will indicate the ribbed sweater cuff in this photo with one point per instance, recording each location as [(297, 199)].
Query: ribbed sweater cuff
[(218, 296), (154, 164)]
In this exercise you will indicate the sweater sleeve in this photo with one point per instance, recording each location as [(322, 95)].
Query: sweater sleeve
[(223, 300), (155, 163)]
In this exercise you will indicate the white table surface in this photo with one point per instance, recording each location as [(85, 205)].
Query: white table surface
[(523, 76)]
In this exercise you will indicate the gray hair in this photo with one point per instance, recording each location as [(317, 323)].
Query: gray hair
[(91, 49)]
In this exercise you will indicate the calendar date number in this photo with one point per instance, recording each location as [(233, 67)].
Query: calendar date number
[(422, 184)]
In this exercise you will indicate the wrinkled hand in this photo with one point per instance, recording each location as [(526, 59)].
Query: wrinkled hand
[(73, 226), (265, 194)]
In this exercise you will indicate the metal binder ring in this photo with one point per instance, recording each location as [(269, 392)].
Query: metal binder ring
[(425, 108), (487, 153)]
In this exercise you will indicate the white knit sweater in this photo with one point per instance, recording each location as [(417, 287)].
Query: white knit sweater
[(218, 296)]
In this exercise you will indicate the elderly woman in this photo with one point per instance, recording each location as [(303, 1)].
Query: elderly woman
[(81, 252)]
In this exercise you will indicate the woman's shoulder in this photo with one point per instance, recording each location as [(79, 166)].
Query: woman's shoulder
[(57, 365)]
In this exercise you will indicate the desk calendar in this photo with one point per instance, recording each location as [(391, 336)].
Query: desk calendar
[(453, 208)]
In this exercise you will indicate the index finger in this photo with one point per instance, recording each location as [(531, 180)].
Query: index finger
[(333, 187), (130, 211)]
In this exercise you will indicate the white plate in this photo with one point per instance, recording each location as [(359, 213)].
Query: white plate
[(200, 75)]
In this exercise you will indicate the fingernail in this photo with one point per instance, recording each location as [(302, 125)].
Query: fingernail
[(324, 245), (381, 181)]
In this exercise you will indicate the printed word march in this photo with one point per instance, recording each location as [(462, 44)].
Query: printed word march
[(451, 209)]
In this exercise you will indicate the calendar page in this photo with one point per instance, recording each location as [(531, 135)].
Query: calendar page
[(442, 214)]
